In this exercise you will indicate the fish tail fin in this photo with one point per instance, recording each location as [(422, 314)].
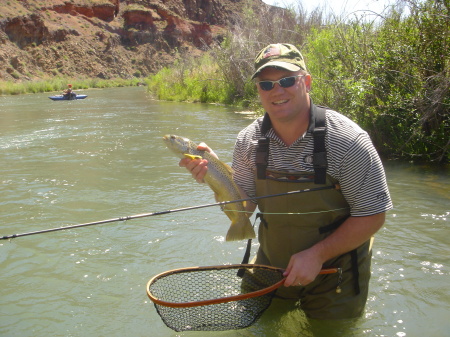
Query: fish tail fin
[(240, 230)]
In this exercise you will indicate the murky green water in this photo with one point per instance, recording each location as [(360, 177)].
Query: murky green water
[(65, 163)]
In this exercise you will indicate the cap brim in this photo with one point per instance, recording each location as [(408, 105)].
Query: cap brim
[(277, 64)]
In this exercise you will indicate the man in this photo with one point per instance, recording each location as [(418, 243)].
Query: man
[(68, 93), (297, 146)]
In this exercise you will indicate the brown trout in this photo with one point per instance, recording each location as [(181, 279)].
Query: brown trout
[(219, 179)]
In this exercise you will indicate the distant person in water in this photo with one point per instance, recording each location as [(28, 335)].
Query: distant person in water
[(68, 93)]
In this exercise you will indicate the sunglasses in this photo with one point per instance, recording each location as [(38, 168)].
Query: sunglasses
[(284, 82)]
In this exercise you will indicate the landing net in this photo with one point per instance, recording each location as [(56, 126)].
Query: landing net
[(214, 298)]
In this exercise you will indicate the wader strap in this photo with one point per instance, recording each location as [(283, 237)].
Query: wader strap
[(355, 270), (246, 258), (262, 157), (320, 154), (263, 221), (241, 271)]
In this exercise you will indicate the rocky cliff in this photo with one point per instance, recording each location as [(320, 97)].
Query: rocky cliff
[(107, 38)]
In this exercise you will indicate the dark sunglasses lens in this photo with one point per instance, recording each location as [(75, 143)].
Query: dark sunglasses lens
[(287, 82), (266, 85)]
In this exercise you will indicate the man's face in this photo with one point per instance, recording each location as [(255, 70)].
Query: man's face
[(284, 104)]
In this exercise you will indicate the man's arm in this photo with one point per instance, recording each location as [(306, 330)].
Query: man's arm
[(304, 266)]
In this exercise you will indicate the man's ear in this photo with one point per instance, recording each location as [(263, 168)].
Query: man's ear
[(308, 82)]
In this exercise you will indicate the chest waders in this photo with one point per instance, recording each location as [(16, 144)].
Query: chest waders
[(290, 224)]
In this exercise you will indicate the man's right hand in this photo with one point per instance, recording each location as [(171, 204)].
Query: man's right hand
[(197, 167)]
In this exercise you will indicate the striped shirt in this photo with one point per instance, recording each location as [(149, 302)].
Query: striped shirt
[(352, 161)]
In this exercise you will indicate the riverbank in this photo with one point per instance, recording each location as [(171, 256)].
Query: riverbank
[(60, 83)]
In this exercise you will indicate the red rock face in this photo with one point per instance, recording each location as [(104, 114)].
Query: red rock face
[(176, 28), (26, 30), (139, 19), (103, 11)]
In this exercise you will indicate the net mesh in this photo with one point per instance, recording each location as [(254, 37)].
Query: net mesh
[(186, 299)]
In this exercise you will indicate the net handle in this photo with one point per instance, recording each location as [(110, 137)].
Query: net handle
[(222, 299)]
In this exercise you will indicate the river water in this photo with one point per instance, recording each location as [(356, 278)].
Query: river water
[(72, 162)]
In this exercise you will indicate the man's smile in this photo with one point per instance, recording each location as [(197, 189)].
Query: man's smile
[(280, 102)]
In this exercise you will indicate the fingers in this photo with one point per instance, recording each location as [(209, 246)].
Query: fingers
[(294, 279), (291, 277), (197, 167), (301, 270)]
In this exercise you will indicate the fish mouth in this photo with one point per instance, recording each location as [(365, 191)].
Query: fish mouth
[(168, 137), (174, 137)]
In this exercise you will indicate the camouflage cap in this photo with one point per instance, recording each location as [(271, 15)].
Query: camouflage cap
[(280, 55)]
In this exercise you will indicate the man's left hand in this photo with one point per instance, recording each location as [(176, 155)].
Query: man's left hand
[(302, 269)]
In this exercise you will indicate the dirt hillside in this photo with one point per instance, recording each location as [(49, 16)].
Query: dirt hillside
[(107, 38)]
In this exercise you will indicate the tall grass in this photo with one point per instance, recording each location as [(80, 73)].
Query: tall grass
[(194, 80), (392, 76)]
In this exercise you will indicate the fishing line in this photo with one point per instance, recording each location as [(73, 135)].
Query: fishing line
[(289, 213), (143, 215)]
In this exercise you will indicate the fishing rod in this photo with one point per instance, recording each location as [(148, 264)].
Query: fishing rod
[(143, 215)]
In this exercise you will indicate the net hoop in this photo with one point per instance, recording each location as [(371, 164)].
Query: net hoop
[(256, 293), (226, 299)]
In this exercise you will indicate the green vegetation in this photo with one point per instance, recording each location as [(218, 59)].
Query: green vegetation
[(193, 80), (60, 83), (390, 73), (135, 7)]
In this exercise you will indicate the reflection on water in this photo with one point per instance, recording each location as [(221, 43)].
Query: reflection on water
[(72, 162)]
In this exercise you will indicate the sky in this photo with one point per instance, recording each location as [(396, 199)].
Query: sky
[(337, 7)]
